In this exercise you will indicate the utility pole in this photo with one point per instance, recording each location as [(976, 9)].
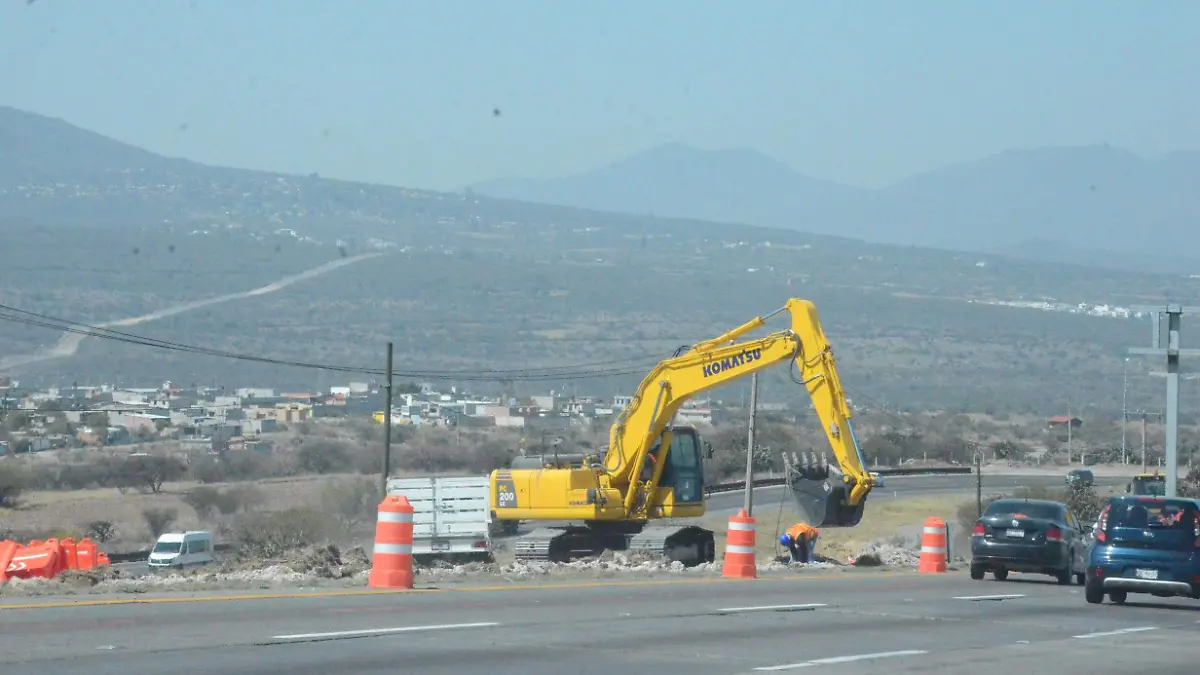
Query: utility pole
[(1124, 410), (978, 483), (1168, 347), (387, 423), (1143, 441), (1070, 423), (749, 498), (1144, 415)]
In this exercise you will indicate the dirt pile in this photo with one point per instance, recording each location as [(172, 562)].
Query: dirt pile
[(329, 562), (886, 554)]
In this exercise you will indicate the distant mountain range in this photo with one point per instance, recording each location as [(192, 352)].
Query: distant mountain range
[(1068, 204), (1094, 205)]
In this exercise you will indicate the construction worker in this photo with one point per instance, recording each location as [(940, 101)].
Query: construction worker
[(801, 542)]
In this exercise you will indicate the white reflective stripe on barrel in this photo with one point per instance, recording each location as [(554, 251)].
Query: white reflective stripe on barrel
[(739, 549), (741, 526), (393, 517), (935, 530), (393, 549), (934, 549)]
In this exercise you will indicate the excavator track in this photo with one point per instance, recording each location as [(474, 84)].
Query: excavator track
[(689, 544)]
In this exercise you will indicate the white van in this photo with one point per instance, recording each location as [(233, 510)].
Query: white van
[(181, 549)]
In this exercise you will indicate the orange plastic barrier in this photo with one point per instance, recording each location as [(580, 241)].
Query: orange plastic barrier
[(8, 549), (86, 554), (392, 563), (70, 553), (47, 559), (933, 546), (739, 548), (35, 561)]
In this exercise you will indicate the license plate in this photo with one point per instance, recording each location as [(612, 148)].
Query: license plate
[(439, 545), (1015, 534), (1147, 574)]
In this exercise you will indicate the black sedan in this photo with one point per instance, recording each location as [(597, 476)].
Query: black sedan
[(1030, 535)]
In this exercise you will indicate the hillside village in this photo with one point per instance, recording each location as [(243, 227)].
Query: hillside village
[(220, 419)]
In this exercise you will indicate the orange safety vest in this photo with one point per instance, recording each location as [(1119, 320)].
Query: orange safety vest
[(802, 530)]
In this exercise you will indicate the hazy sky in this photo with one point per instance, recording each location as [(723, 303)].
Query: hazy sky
[(402, 92)]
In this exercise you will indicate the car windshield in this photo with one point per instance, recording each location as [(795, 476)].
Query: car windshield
[(1152, 514), (1006, 507), (168, 547)]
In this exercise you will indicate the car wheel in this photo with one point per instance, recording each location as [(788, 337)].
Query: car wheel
[(1118, 597), (1093, 593), (1080, 578), (1000, 575), (1064, 575), (977, 572)]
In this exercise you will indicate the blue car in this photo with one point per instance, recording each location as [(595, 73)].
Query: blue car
[(1145, 544)]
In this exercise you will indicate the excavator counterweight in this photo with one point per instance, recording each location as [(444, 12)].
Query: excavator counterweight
[(653, 470)]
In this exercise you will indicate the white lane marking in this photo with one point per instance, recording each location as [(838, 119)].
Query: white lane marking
[(767, 608), (989, 597), (1116, 632), (382, 631), (846, 659)]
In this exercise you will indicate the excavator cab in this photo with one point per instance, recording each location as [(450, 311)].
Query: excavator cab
[(820, 492), (684, 472), (1148, 484)]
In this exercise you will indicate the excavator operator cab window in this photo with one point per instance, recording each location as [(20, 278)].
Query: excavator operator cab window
[(684, 470)]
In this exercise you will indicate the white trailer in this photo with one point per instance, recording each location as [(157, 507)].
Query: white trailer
[(452, 517)]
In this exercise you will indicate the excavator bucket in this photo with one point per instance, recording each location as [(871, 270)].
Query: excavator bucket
[(819, 493)]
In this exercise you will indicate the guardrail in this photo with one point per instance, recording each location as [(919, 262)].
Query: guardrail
[(717, 488), (939, 471)]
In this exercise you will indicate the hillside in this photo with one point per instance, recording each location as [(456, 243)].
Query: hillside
[(1099, 197), (99, 231)]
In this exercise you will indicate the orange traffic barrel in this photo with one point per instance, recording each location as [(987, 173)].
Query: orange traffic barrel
[(739, 548), (392, 562), (933, 546)]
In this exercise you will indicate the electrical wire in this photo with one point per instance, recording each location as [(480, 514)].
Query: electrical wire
[(610, 368)]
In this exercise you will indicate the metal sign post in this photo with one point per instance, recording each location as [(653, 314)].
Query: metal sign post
[(1168, 346)]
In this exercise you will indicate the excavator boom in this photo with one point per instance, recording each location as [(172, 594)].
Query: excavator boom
[(654, 471)]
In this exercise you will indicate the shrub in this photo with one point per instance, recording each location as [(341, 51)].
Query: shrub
[(13, 482), (273, 534), (351, 501), (208, 502), (159, 520), (100, 531)]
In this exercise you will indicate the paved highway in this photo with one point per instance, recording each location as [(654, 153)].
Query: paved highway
[(851, 622)]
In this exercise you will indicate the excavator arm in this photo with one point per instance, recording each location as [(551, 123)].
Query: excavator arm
[(721, 360)]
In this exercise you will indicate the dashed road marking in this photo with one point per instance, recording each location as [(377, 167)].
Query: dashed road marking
[(1121, 631), (772, 608), (381, 631), (844, 659), (989, 597)]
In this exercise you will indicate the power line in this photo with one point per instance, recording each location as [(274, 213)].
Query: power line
[(614, 367)]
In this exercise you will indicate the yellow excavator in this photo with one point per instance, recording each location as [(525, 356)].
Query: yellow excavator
[(654, 470), (1147, 484)]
